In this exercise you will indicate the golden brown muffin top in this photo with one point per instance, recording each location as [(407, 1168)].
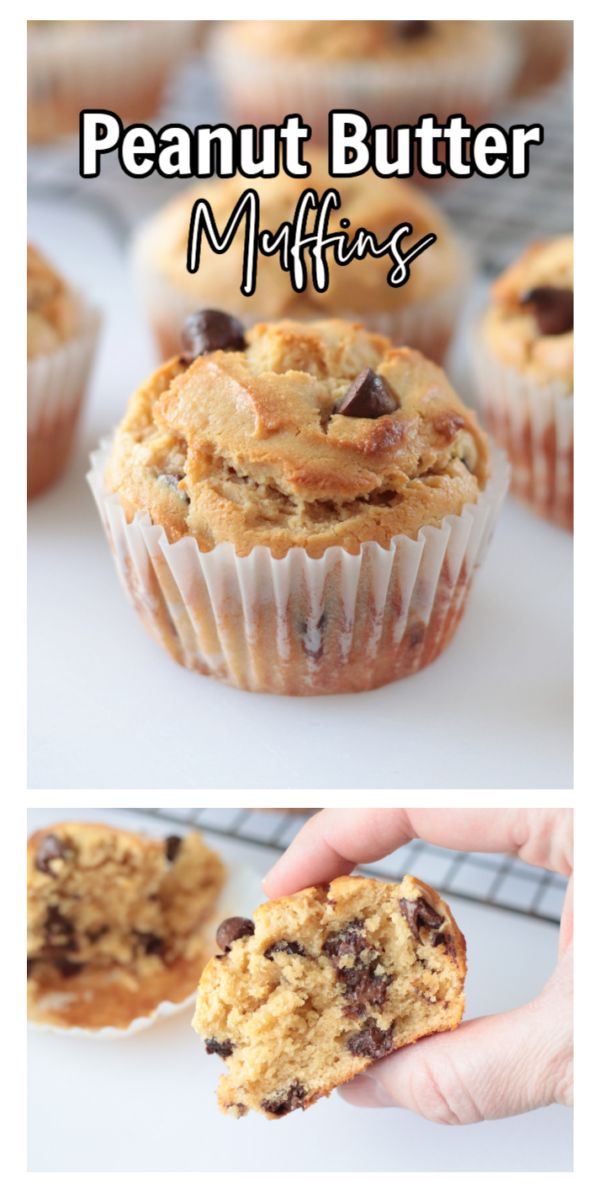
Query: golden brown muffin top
[(345, 41), (359, 287), (529, 324), (248, 446), (53, 315)]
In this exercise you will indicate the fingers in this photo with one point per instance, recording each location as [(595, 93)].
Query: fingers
[(489, 1068), (335, 840)]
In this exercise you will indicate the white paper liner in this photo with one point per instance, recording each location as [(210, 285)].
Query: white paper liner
[(298, 625), (534, 424), (103, 64), (56, 382), (259, 89), (242, 893), (426, 324)]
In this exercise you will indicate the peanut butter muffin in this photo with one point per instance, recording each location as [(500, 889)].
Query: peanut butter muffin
[(299, 508), (119, 65), (422, 313), (393, 71), (524, 367), (114, 922), (320, 984), (61, 337)]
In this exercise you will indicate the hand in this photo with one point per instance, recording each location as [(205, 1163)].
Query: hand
[(491, 1067)]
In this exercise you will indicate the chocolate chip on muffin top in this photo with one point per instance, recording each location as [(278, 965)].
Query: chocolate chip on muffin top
[(314, 435)]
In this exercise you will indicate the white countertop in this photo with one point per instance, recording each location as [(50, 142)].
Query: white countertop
[(108, 708), (147, 1103)]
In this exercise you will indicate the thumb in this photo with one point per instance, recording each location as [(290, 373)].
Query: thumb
[(492, 1067)]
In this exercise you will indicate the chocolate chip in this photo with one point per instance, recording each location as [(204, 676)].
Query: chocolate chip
[(370, 1041), (362, 986), (208, 330), (68, 969), (51, 850), (30, 966), (350, 940), (172, 481), (281, 1103), (152, 944), (419, 913), (232, 929), (59, 930), (369, 396), (172, 846), (552, 307), (94, 935), (284, 947), (224, 1049), (409, 31)]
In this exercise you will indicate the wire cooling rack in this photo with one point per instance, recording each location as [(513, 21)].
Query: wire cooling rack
[(498, 880)]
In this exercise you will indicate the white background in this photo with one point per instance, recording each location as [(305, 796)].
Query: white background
[(108, 708), (147, 1103)]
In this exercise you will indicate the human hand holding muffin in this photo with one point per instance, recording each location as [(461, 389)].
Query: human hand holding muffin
[(491, 1067)]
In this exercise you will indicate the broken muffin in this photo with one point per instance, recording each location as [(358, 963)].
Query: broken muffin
[(115, 922), (320, 984)]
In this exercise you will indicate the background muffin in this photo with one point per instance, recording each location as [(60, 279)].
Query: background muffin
[(421, 314), (325, 499), (393, 71), (120, 65), (61, 337), (524, 369), (547, 52)]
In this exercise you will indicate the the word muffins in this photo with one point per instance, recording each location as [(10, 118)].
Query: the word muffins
[(115, 922), (62, 332), (422, 314), (300, 508), (524, 367), (392, 71)]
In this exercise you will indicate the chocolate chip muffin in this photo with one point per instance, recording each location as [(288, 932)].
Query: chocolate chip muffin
[(119, 65), (524, 369), (320, 984), (393, 71), (421, 314), (61, 337), (300, 512), (114, 922)]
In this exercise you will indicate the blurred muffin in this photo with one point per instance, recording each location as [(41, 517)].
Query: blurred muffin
[(119, 65), (392, 71), (524, 368), (300, 510), (62, 332), (547, 52), (422, 314), (115, 922)]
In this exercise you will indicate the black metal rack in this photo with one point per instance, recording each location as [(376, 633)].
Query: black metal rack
[(498, 880)]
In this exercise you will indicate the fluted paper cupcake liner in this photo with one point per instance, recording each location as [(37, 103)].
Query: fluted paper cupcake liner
[(427, 324), (534, 425), (298, 625), (260, 91), (241, 893), (56, 385), (118, 65)]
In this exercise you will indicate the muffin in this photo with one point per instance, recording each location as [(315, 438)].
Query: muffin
[(547, 51), (62, 331), (299, 510), (422, 313), (114, 922), (322, 983), (118, 65), (392, 71), (524, 372)]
